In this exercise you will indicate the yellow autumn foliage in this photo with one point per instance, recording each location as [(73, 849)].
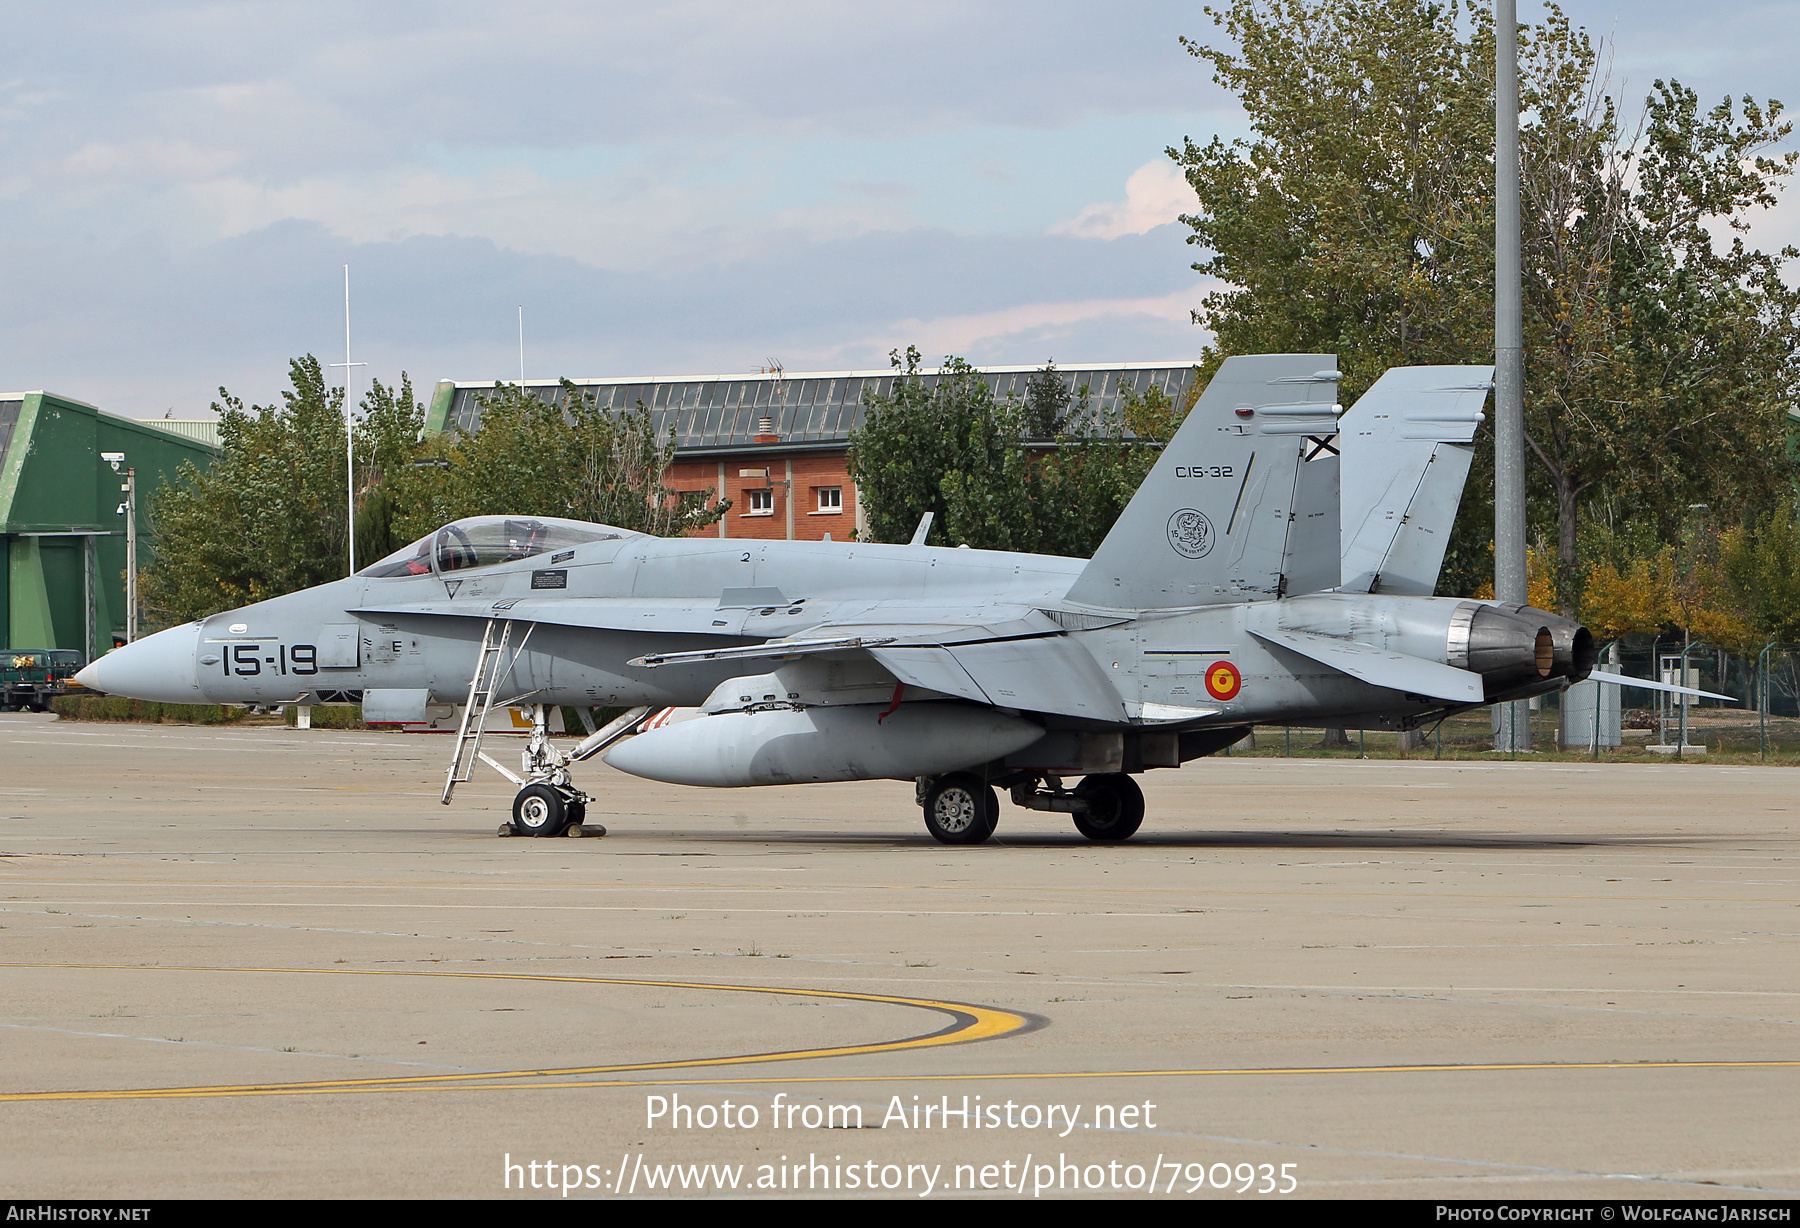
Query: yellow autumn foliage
[(1540, 584), (1657, 592)]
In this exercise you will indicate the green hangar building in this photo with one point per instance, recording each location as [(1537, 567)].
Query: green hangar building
[(62, 520)]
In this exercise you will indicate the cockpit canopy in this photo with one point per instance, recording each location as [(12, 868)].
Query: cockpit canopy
[(482, 541)]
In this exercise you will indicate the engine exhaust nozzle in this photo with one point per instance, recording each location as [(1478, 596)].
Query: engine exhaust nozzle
[(1520, 650)]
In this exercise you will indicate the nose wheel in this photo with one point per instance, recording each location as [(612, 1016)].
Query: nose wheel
[(539, 810)]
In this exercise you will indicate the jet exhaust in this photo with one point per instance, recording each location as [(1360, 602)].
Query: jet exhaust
[(1519, 650)]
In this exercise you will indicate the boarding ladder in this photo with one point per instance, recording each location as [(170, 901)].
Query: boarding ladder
[(491, 669)]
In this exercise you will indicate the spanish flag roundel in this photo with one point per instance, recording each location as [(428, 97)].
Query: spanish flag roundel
[(1222, 680)]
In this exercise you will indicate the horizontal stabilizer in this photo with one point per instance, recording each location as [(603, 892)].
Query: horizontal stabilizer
[(1620, 680), (1381, 667)]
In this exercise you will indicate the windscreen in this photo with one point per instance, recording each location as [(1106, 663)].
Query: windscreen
[(481, 541), (413, 560)]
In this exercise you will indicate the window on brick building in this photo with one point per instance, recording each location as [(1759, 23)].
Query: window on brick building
[(831, 498), (762, 502)]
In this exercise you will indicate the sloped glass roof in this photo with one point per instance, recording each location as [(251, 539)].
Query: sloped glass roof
[(720, 411)]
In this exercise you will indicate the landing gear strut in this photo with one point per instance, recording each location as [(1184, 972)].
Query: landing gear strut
[(548, 801)]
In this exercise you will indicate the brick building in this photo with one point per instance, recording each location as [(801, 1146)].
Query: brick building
[(775, 443)]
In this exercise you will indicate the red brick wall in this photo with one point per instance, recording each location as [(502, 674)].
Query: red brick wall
[(812, 470)]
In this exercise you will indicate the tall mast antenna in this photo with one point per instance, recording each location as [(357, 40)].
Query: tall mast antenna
[(349, 429)]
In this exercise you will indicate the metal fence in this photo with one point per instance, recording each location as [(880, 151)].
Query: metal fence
[(1606, 722)]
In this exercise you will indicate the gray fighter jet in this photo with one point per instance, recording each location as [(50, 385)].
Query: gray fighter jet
[(1276, 567)]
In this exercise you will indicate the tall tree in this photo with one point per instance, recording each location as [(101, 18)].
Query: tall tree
[(573, 458), (389, 439), (267, 517), (1358, 219), (952, 449), (1049, 401)]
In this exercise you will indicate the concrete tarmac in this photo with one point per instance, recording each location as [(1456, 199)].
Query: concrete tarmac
[(262, 962)]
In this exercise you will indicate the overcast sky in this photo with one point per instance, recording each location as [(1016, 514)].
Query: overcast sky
[(687, 187)]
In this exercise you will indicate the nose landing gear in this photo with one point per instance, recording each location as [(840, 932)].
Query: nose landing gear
[(548, 803), (539, 810)]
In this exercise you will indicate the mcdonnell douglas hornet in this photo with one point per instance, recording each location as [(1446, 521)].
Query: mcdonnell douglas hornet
[(1275, 567)]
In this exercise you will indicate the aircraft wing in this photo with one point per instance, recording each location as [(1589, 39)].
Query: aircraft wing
[(1046, 673), (680, 616), (1009, 657), (698, 616), (937, 624), (1380, 667)]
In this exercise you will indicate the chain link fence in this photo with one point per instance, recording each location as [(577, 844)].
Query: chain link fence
[(1763, 726)]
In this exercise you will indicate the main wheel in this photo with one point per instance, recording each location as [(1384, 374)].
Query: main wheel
[(960, 809), (538, 811), (1115, 807)]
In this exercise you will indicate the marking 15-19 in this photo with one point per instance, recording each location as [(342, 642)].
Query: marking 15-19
[(249, 660)]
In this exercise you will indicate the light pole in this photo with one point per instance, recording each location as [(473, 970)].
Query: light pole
[(1509, 344), (128, 509)]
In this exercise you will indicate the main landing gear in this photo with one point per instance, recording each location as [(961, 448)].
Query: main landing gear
[(961, 808)]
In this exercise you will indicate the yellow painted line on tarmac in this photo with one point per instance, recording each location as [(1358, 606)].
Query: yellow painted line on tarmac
[(969, 1022), (1031, 1075)]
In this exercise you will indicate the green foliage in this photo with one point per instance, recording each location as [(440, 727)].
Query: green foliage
[(1358, 219), (1154, 414), (574, 459), (954, 450), (1762, 567), (119, 708), (1049, 403), (1346, 223), (388, 440), (328, 716), (269, 517)]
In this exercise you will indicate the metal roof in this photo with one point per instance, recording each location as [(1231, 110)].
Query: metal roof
[(805, 407)]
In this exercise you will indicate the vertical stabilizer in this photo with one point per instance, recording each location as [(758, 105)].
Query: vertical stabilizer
[(1215, 522), (1405, 456)]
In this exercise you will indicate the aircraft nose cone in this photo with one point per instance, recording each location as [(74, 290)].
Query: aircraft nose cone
[(159, 667)]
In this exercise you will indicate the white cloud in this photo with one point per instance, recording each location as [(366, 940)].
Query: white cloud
[(988, 330), (630, 221), (1155, 195), (151, 161)]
